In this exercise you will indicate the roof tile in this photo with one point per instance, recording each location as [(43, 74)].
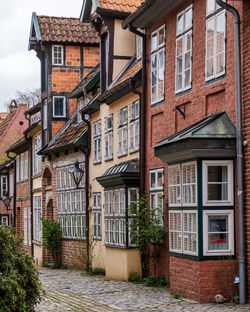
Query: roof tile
[(62, 29), (121, 5)]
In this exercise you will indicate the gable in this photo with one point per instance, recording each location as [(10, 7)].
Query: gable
[(88, 7), (35, 35)]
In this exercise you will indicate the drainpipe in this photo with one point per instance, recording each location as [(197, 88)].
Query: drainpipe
[(239, 150), (143, 104), (14, 191), (87, 153), (31, 187)]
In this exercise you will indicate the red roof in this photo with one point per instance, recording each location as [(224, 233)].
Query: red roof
[(121, 5)]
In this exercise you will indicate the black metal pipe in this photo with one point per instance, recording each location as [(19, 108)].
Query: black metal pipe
[(239, 151)]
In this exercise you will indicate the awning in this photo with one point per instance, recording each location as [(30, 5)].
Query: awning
[(213, 136)]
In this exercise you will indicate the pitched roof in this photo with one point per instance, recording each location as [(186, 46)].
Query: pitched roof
[(120, 5), (4, 124), (62, 29), (78, 90), (130, 71), (3, 116), (67, 137)]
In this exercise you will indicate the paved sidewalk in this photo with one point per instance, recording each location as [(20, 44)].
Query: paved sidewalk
[(69, 290)]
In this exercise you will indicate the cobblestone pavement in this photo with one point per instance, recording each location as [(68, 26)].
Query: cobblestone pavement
[(69, 290)]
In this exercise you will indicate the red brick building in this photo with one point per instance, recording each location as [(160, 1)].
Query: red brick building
[(190, 140)]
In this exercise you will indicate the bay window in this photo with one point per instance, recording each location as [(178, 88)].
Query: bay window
[(215, 40), (184, 33), (157, 64)]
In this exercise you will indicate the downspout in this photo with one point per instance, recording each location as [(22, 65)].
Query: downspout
[(143, 105), (31, 187), (14, 191), (87, 153), (239, 151)]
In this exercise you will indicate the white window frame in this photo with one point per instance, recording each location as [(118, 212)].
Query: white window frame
[(37, 218), (230, 215), (97, 141), (17, 168), (214, 15), (181, 203), (54, 59), (138, 44), (122, 126), (64, 106), (181, 232), (159, 196), (25, 226), (156, 52), (134, 126), (156, 171), (4, 220), (182, 35), (11, 184), (229, 164), (97, 211), (108, 139), (4, 191)]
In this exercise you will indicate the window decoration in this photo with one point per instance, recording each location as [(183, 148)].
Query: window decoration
[(183, 67), (134, 111), (218, 232), (157, 64), (215, 40), (97, 141), (37, 218), (71, 203), (59, 106), (108, 138), (57, 55), (183, 232), (218, 183), (97, 216), (122, 131), (182, 184)]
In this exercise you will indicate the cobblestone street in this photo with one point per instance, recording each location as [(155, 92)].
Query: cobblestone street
[(69, 290)]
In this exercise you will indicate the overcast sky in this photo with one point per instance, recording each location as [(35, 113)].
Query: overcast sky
[(19, 68)]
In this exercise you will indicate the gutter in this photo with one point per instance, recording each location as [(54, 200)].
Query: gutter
[(239, 151), (14, 191), (143, 103), (31, 187)]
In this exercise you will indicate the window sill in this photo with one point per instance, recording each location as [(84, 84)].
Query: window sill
[(97, 239), (108, 159), (134, 151), (122, 155), (184, 92), (213, 80), (73, 239), (157, 103), (97, 162), (117, 246)]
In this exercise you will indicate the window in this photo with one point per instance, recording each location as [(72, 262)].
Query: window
[(108, 138), (138, 44), (218, 183), (4, 220), (218, 232), (122, 131), (57, 55), (182, 184), (107, 61), (183, 232), (35, 118), (81, 103), (45, 122), (45, 73), (37, 159), (97, 216), (215, 40), (22, 166), (59, 106), (183, 66), (4, 185), (157, 64), (71, 203), (37, 217), (115, 210), (25, 228), (97, 141), (134, 126), (157, 191)]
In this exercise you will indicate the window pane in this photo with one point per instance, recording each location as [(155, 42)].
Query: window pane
[(210, 28), (180, 23), (59, 106), (179, 47), (210, 68), (220, 63), (161, 38), (217, 173), (188, 18), (154, 42), (217, 233)]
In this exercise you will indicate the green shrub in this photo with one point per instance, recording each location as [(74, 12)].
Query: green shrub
[(134, 277), (96, 271), (52, 235), (19, 283), (155, 281), (176, 296)]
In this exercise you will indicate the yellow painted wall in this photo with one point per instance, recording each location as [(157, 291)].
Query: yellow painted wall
[(124, 45), (118, 262), (38, 254)]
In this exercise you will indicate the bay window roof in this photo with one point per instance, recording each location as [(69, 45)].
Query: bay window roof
[(213, 136)]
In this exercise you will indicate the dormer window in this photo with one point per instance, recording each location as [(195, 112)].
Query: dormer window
[(59, 106), (57, 55)]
